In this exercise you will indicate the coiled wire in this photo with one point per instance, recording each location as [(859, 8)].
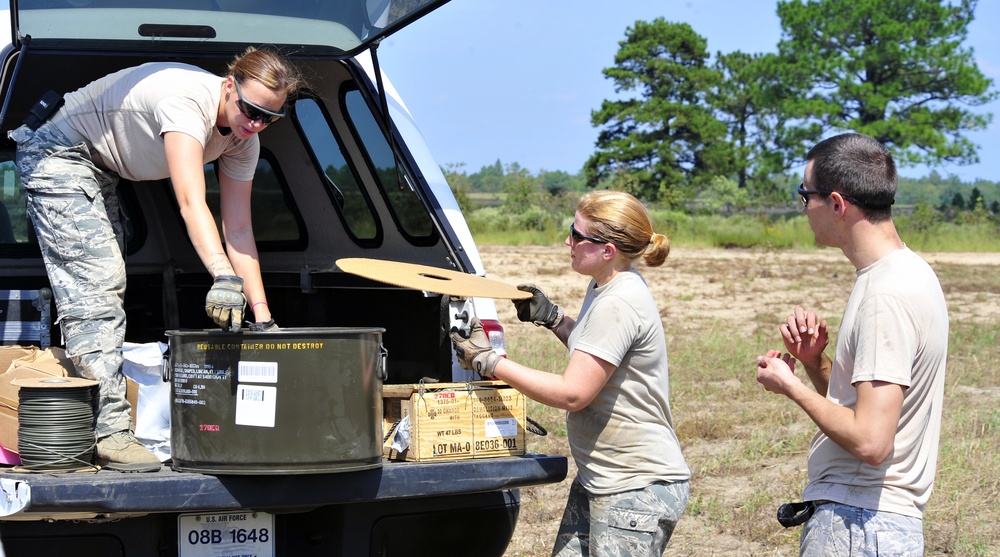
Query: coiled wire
[(55, 430)]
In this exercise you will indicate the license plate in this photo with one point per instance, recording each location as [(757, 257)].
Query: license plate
[(230, 534)]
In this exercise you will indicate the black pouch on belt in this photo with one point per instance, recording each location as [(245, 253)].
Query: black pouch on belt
[(794, 514), (43, 109)]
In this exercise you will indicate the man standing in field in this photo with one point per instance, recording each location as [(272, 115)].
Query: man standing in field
[(872, 462)]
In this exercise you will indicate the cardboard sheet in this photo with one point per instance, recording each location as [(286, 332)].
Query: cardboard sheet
[(430, 279)]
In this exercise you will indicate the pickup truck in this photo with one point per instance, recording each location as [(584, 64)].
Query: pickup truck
[(347, 175)]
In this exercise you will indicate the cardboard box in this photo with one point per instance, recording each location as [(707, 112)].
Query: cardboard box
[(22, 353), (27, 362), (453, 421)]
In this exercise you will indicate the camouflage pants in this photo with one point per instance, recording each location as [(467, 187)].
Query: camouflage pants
[(635, 523), (74, 209), (836, 529)]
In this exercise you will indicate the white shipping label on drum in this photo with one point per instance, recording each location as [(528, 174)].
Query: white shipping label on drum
[(255, 405), (257, 372), (501, 427)]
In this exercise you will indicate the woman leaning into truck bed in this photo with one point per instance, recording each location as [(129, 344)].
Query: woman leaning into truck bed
[(632, 482), (150, 122)]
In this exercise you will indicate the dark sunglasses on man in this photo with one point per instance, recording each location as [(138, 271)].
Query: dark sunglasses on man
[(253, 112), (804, 196)]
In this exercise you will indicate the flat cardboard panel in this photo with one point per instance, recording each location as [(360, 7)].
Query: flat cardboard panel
[(10, 353), (430, 279), (42, 363), (8, 428)]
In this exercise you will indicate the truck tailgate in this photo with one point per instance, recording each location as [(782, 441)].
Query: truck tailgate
[(108, 493)]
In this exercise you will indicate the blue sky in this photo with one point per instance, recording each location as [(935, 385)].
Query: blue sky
[(516, 80)]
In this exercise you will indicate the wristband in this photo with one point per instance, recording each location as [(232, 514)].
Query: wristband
[(255, 304)]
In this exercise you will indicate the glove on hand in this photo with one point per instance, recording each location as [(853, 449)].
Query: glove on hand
[(475, 353), (538, 309), (264, 326), (225, 302)]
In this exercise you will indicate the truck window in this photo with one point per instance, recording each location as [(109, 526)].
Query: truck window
[(409, 212), (277, 224), (17, 235), (14, 227), (344, 188)]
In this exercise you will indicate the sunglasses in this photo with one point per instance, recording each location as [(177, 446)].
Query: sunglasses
[(804, 196), (577, 237), (253, 112)]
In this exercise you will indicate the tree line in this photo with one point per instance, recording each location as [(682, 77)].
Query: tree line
[(494, 183), (683, 119)]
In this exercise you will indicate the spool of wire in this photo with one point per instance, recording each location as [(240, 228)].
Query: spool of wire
[(55, 419)]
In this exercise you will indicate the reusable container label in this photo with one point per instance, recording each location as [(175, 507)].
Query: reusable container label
[(257, 372), (255, 405)]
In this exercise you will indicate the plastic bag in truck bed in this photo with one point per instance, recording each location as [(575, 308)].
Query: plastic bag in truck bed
[(143, 364)]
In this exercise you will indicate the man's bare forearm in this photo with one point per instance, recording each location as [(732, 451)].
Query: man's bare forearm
[(820, 375)]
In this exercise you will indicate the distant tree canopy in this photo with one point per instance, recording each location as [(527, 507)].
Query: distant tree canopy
[(496, 178), (892, 69), (665, 135), (524, 194)]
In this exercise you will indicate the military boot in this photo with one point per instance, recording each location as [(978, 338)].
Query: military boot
[(123, 452)]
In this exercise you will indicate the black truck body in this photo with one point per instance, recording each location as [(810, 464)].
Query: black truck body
[(344, 175), (466, 507)]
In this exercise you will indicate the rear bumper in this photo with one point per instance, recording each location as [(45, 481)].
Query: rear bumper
[(109, 494), (469, 525)]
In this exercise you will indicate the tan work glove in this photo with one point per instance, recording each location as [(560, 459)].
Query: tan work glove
[(263, 326), (475, 353), (225, 302)]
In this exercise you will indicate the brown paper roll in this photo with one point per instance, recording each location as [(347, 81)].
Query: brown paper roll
[(430, 279)]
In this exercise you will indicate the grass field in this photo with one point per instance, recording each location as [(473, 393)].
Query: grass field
[(747, 447)]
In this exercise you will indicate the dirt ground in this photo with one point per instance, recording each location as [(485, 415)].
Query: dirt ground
[(748, 291), (699, 286)]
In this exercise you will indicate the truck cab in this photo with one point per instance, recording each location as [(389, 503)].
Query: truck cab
[(345, 175)]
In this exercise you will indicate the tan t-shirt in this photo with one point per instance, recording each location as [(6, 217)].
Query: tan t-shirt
[(124, 115), (895, 329), (625, 438)]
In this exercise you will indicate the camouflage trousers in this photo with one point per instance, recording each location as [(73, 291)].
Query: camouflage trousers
[(74, 209), (841, 530), (635, 523)]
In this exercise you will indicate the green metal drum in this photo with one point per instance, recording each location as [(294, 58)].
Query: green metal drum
[(290, 401)]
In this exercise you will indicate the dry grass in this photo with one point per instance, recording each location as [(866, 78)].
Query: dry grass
[(746, 447)]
